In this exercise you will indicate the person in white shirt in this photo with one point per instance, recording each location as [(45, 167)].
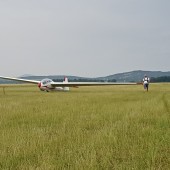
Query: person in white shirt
[(146, 82)]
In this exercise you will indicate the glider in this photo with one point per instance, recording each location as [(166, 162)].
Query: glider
[(49, 85)]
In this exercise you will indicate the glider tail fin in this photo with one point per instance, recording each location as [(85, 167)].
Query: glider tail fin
[(65, 81)]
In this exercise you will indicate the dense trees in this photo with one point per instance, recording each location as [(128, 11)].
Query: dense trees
[(160, 79)]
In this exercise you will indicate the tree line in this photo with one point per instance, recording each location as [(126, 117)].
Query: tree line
[(160, 79)]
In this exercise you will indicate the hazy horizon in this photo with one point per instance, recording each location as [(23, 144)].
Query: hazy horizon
[(147, 72)]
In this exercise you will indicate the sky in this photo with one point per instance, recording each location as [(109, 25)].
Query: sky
[(89, 38)]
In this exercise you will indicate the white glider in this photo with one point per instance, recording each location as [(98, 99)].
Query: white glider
[(50, 85)]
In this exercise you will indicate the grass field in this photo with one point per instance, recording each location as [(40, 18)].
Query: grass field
[(115, 127)]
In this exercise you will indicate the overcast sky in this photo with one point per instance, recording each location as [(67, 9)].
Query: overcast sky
[(83, 37)]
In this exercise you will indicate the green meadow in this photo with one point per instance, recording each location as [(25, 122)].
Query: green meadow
[(90, 128)]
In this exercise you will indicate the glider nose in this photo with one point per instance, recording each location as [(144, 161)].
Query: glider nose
[(39, 84)]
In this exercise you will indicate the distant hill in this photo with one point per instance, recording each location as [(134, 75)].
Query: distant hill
[(133, 76)]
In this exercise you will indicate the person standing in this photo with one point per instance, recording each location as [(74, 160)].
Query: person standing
[(146, 82)]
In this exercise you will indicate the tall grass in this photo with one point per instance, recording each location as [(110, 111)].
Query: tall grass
[(118, 127)]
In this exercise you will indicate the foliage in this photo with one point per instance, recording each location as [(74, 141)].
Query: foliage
[(160, 79)]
